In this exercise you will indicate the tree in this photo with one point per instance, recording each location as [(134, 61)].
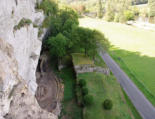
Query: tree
[(116, 7), (152, 8), (57, 46), (84, 90), (49, 7), (82, 82), (129, 15), (100, 11), (84, 39), (88, 100), (107, 104)]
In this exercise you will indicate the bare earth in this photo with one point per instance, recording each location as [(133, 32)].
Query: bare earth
[(49, 93)]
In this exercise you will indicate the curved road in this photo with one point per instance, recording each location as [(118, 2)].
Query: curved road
[(143, 106)]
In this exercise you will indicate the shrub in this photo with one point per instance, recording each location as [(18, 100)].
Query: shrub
[(129, 15), (84, 91), (40, 32), (107, 104), (79, 96), (109, 16), (23, 22), (116, 19), (82, 82), (48, 6), (88, 100)]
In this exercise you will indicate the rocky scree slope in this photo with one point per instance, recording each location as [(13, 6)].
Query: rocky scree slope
[(19, 53)]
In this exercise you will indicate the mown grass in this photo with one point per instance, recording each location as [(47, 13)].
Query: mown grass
[(134, 51), (135, 70), (70, 109), (101, 88), (80, 59)]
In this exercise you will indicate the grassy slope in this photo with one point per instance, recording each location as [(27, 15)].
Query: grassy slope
[(131, 44), (102, 88), (70, 109)]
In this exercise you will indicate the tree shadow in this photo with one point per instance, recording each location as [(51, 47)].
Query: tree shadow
[(140, 69)]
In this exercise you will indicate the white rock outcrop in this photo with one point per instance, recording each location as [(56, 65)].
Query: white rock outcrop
[(19, 54)]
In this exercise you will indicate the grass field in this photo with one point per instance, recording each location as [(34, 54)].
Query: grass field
[(80, 59), (133, 49), (70, 109), (102, 87)]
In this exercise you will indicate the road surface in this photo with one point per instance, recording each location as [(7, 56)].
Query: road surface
[(143, 106)]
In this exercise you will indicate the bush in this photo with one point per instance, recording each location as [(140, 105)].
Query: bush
[(129, 15), (84, 91), (79, 96), (82, 82), (116, 19), (48, 6), (109, 16), (23, 22), (107, 104), (88, 100)]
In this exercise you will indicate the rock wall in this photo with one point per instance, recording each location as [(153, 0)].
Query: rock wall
[(19, 54)]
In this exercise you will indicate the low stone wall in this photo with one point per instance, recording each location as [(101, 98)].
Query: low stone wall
[(89, 68)]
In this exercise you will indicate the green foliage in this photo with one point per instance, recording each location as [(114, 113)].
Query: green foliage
[(67, 36), (49, 7), (116, 19), (152, 8), (88, 100), (115, 9), (107, 104), (82, 82), (69, 103), (23, 22), (129, 15), (40, 31), (100, 10), (109, 16), (58, 45), (84, 90), (79, 95), (85, 38)]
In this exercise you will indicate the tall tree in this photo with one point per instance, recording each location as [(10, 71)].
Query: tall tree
[(152, 8), (100, 10)]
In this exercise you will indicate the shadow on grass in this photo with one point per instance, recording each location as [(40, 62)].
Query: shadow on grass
[(143, 69)]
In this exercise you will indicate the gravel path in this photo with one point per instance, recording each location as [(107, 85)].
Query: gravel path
[(143, 106)]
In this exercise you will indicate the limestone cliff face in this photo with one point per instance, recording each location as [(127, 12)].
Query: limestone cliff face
[(19, 53)]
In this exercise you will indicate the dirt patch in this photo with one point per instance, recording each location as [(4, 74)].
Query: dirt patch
[(50, 89)]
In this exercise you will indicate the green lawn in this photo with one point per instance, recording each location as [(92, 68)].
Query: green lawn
[(102, 88), (133, 49), (80, 59), (70, 109)]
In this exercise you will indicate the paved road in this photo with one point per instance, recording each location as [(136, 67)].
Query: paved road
[(143, 106)]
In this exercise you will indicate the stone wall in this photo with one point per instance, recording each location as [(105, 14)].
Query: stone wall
[(89, 68)]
